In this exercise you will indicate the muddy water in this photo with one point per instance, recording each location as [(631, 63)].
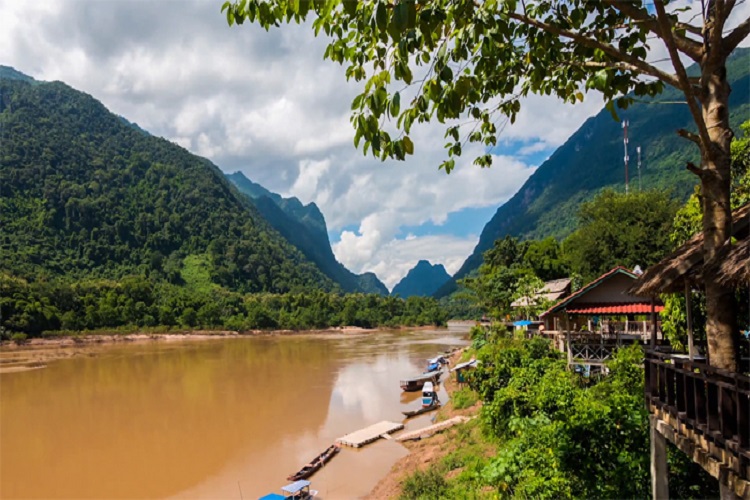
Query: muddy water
[(227, 418)]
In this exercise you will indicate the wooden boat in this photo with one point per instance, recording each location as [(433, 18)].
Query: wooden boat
[(315, 464), (424, 409), (416, 383)]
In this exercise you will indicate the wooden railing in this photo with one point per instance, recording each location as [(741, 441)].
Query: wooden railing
[(711, 402)]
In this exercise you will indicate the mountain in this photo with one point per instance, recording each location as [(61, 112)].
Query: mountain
[(592, 159), (85, 194), (305, 227), (424, 279)]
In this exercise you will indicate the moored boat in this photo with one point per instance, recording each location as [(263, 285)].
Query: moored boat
[(315, 464), (424, 409), (416, 383)]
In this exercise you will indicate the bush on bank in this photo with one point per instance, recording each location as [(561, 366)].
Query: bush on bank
[(563, 436)]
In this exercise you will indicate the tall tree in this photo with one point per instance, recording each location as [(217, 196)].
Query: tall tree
[(481, 59), (621, 229)]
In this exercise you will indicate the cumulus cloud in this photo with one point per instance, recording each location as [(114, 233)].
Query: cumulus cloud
[(267, 104)]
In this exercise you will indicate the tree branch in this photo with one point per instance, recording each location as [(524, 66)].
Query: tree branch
[(661, 15), (694, 169), (691, 48), (734, 38), (640, 65), (689, 136)]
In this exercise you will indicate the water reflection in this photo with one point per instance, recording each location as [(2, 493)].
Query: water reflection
[(205, 419)]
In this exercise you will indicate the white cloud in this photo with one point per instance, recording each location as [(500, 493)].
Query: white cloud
[(267, 104)]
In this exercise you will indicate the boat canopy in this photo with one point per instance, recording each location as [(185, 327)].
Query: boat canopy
[(461, 366), (437, 359), (295, 486), (428, 387)]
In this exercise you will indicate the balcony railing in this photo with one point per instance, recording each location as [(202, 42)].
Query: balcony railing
[(707, 401)]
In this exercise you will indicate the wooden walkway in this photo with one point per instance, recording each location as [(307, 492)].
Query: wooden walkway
[(369, 434), (432, 429)]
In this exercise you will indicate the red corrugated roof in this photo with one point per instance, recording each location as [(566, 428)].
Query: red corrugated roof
[(623, 308)]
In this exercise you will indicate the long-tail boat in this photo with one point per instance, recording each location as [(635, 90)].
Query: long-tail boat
[(424, 409), (315, 464), (416, 383)]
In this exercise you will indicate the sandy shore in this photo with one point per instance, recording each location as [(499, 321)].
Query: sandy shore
[(425, 452)]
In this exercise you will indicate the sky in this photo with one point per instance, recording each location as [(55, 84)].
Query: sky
[(269, 105)]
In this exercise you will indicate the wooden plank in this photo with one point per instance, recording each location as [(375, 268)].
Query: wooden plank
[(369, 434), (431, 429)]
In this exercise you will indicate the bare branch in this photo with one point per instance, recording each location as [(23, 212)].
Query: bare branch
[(639, 65), (691, 48), (661, 15), (689, 135), (696, 170), (734, 38)]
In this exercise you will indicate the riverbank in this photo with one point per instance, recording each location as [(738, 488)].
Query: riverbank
[(431, 452)]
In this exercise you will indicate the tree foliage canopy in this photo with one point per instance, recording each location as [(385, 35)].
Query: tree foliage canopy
[(451, 59), (621, 229)]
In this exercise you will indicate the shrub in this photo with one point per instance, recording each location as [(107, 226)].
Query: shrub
[(428, 485), (19, 338), (464, 398)]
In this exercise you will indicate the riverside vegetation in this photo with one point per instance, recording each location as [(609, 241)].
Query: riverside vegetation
[(547, 432)]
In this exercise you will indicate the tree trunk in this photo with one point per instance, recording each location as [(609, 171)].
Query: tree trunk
[(717, 216)]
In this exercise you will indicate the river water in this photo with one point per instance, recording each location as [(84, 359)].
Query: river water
[(224, 418)]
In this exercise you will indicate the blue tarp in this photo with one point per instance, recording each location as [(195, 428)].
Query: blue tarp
[(523, 322), (272, 496)]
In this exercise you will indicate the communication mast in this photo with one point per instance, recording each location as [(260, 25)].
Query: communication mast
[(639, 167), (625, 144)]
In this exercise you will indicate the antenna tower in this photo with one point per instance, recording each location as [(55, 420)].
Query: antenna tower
[(639, 167), (625, 144)]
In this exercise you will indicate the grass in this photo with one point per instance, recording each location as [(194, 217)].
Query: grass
[(464, 398)]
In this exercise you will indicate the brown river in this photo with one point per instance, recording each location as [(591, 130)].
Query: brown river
[(223, 418)]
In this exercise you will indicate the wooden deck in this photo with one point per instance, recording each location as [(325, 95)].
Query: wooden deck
[(431, 429), (369, 434)]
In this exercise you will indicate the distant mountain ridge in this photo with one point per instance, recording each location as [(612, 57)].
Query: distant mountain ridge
[(305, 227), (85, 194), (424, 279), (592, 159)]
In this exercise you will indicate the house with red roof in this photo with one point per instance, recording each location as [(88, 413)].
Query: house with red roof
[(602, 313)]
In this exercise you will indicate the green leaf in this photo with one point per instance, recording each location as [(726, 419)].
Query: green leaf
[(408, 145), (395, 104)]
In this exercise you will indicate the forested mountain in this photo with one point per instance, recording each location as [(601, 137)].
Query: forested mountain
[(423, 279), (305, 227), (592, 159), (85, 194)]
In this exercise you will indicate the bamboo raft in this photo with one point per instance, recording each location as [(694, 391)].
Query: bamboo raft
[(369, 434)]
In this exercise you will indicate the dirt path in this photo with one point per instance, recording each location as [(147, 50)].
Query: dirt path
[(428, 451)]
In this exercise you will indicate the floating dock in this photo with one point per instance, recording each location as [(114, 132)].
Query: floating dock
[(369, 434), (432, 429)]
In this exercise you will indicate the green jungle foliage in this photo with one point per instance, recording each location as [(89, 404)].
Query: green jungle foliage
[(560, 435), (305, 227), (620, 229), (591, 160), (85, 195), (44, 308)]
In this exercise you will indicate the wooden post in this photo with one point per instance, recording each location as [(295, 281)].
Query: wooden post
[(689, 314), (653, 322), (659, 474), (567, 339)]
